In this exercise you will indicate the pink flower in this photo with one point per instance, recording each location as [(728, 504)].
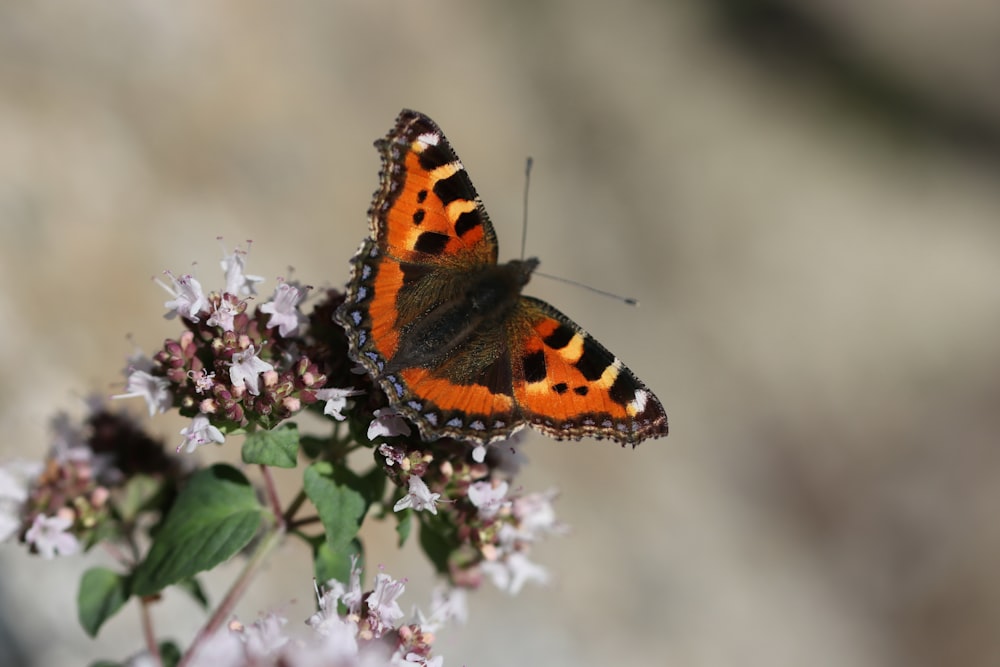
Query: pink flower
[(189, 299), (336, 401), (245, 369), (50, 536), (238, 282), (419, 497), (383, 610), (488, 498), (387, 423), (154, 390), (200, 432), (283, 309)]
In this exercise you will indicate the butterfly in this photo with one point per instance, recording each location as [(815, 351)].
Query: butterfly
[(444, 329)]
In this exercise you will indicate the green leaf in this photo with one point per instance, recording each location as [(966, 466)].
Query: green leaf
[(278, 448), (102, 593), (404, 526), (170, 654), (215, 515), (340, 507), (140, 492), (313, 446), (374, 485), (193, 588), (435, 543), (329, 564)]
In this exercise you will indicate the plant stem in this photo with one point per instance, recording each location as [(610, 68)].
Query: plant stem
[(267, 543)]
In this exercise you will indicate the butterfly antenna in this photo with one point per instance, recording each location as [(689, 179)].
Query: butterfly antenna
[(524, 215), (627, 300)]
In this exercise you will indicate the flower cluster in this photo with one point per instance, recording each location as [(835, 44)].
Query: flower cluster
[(239, 367), (97, 477), (234, 367), (493, 527), (351, 628)]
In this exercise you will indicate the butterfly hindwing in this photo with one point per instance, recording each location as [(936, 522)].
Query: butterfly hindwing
[(568, 385)]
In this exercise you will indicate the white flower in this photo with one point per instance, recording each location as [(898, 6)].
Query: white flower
[(386, 424), (536, 516), (238, 282), (447, 604), (352, 597), (223, 649), (419, 497), (189, 299), (265, 636), (224, 315), (245, 369), (336, 401), (203, 382), (154, 390), (383, 610), (48, 534), (283, 308), (15, 481), (200, 432), (511, 573), (488, 498)]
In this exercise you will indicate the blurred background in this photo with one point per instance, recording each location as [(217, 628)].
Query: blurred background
[(803, 196)]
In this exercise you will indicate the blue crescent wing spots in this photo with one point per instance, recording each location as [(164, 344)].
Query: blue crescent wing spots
[(454, 421), (416, 405), (362, 293), (478, 425), (431, 418)]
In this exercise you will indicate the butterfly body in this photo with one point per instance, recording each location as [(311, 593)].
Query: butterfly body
[(444, 329)]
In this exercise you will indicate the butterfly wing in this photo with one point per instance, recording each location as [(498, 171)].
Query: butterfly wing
[(429, 232), (567, 385)]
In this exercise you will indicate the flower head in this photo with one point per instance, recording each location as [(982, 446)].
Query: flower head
[(419, 497), (489, 498), (245, 370), (283, 309), (50, 535), (200, 432), (238, 282), (383, 610), (336, 400), (189, 299), (387, 423), (154, 389)]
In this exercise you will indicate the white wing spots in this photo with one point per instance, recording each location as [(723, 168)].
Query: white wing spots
[(428, 139), (638, 404)]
